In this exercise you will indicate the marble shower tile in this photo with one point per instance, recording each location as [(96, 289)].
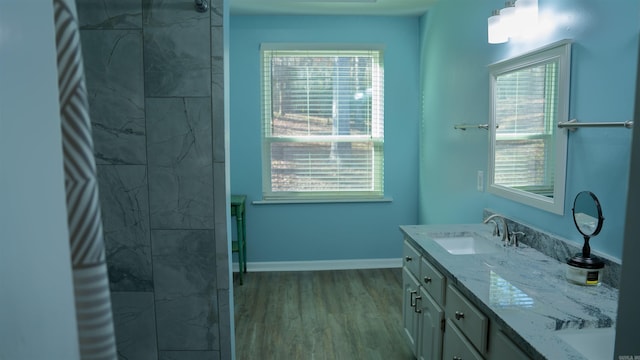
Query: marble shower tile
[(183, 262), (217, 65), (217, 93), (222, 256), (176, 49), (187, 322), (185, 289), (180, 163), (111, 14), (217, 42), (134, 323), (125, 216), (217, 106), (115, 86), (220, 193), (224, 311), (180, 198), (217, 12)]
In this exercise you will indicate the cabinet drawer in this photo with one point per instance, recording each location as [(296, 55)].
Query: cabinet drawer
[(411, 259), (456, 347), (473, 324), (433, 281)]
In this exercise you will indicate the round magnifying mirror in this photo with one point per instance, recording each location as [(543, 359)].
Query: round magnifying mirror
[(584, 269), (587, 214)]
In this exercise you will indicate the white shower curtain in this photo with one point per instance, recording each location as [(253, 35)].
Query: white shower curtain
[(91, 285)]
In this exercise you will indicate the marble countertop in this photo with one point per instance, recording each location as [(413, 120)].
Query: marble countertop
[(521, 289)]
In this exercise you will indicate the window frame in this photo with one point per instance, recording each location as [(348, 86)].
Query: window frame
[(559, 52), (375, 137)]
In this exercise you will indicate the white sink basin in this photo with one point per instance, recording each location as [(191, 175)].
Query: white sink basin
[(594, 344), (465, 244)]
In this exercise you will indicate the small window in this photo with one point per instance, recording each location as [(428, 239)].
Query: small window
[(322, 124)]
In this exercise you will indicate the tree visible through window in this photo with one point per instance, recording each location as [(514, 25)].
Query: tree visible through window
[(525, 112), (323, 131)]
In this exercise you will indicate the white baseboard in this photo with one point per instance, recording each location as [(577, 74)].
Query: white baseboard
[(322, 265)]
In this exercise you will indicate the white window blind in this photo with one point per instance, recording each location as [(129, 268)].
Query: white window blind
[(322, 124), (525, 115)]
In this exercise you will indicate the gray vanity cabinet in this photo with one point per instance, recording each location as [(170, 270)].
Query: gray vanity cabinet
[(423, 316), (440, 322)]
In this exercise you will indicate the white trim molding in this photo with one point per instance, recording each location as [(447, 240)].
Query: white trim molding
[(319, 265)]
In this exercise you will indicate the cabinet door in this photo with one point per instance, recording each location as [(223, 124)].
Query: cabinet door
[(456, 346), (409, 315), (431, 319), (501, 348)]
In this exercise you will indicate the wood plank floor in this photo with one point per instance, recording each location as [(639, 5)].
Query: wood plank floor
[(346, 314)]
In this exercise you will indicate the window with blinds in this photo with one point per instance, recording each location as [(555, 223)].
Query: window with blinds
[(525, 111), (322, 124)]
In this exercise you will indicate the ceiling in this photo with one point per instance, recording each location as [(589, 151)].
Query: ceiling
[(330, 7)]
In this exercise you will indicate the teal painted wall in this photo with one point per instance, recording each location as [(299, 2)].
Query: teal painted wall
[(455, 84), (299, 232)]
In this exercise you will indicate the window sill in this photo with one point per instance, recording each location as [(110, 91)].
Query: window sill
[(320, 201)]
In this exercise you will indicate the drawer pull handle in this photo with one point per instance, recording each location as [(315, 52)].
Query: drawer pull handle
[(459, 315), (415, 308), (408, 258), (427, 279), (413, 302)]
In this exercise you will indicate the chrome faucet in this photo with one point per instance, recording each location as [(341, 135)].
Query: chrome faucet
[(514, 237), (506, 238)]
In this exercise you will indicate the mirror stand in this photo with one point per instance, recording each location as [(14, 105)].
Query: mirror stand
[(587, 215)]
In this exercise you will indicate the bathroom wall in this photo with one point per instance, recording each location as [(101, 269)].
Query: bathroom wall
[(37, 308), (343, 231), (455, 84), (628, 310), (154, 74)]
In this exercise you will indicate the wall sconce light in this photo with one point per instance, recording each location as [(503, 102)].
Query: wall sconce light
[(527, 13), (516, 18), (496, 30)]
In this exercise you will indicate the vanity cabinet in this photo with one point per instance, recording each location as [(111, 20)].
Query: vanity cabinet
[(441, 323), (423, 317)]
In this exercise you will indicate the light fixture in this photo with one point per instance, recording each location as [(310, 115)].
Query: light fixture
[(527, 14), (516, 18), (495, 29), (509, 18)]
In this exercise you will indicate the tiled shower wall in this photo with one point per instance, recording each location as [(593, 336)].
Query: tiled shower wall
[(154, 71)]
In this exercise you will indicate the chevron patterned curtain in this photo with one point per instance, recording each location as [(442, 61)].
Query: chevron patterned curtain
[(91, 284)]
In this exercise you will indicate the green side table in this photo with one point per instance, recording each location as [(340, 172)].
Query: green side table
[(240, 246)]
